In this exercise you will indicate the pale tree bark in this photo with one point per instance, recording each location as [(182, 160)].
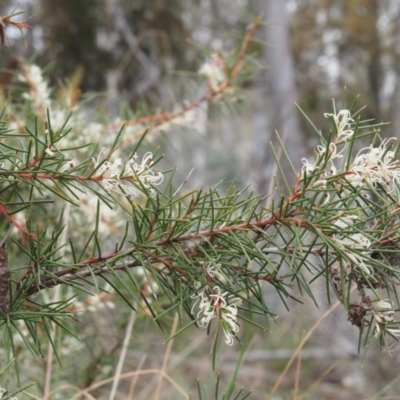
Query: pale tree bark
[(275, 105), (274, 108), (394, 109), (375, 59)]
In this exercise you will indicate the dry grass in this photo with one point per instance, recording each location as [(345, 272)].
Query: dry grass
[(274, 367)]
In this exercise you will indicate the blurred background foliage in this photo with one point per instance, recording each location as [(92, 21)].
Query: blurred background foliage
[(333, 43), (134, 52)]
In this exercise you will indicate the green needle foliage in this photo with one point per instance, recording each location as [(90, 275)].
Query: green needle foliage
[(209, 253)]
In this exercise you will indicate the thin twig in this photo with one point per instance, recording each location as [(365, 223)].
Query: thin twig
[(135, 378), (318, 381), (122, 356), (166, 357), (301, 345), (128, 375)]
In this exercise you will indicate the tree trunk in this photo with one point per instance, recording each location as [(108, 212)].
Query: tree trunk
[(275, 107)]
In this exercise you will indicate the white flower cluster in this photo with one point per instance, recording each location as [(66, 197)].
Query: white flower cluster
[(39, 92), (115, 173), (344, 132), (342, 122), (213, 70), (383, 313), (38, 95), (351, 242), (214, 304), (372, 165), (375, 165)]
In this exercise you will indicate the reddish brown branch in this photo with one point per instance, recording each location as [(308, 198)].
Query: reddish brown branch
[(151, 228), (88, 267), (166, 262), (4, 21), (245, 47), (158, 119), (54, 177), (67, 271), (58, 177), (13, 220)]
